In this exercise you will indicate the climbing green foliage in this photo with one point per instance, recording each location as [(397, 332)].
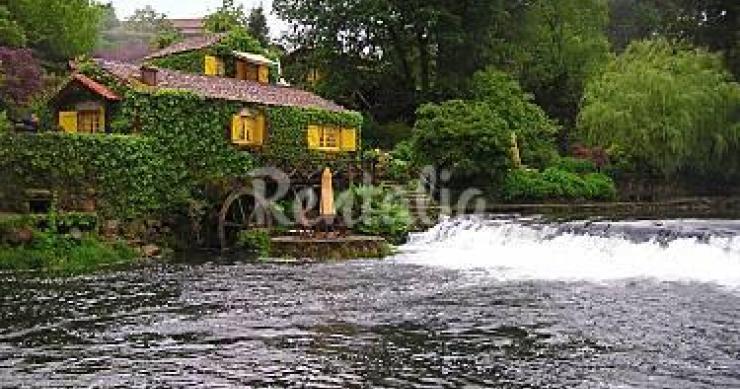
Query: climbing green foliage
[(188, 62), (237, 39), (190, 133), (124, 173), (670, 109)]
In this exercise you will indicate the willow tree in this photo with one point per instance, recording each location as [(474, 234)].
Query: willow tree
[(668, 108)]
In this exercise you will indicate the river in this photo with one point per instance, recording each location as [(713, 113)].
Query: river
[(476, 302)]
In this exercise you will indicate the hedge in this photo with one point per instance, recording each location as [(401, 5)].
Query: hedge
[(557, 184)]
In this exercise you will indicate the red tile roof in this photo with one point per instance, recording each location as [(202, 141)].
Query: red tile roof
[(190, 44), (187, 23), (95, 87), (225, 88)]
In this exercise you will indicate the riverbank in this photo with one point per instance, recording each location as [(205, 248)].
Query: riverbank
[(68, 244)]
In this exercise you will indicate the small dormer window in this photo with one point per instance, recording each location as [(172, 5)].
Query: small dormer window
[(253, 67), (214, 66)]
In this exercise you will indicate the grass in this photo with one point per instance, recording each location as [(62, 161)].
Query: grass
[(64, 254)]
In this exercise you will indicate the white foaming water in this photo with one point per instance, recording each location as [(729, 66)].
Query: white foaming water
[(512, 250)]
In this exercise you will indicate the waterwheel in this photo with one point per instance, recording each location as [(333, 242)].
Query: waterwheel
[(241, 211)]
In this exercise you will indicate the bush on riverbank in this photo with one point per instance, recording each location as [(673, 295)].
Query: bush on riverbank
[(257, 241), (57, 243), (376, 211), (557, 184), (63, 253)]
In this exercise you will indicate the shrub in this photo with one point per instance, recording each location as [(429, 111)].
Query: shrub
[(63, 253), (600, 186), (401, 165), (575, 165), (556, 184), (257, 241), (468, 138), (473, 138), (377, 211)]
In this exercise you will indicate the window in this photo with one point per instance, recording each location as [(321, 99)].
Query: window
[(248, 128), (330, 138), (214, 66), (88, 121)]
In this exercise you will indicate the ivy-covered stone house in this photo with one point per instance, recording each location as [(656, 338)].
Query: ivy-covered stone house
[(87, 105), (140, 138)]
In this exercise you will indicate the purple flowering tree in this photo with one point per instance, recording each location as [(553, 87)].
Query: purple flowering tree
[(21, 77)]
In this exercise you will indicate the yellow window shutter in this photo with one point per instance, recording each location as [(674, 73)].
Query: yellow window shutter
[(211, 65), (264, 74), (235, 124), (68, 121), (349, 139), (313, 137), (261, 127)]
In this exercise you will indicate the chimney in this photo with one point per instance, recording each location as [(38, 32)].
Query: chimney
[(149, 75)]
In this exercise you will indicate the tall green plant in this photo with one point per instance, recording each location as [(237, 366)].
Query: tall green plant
[(669, 108)]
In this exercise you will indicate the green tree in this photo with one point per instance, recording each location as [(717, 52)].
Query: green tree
[(11, 33), (59, 29), (631, 20), (388, 56), (227, 17), (155, 25), (473, 138), (257, 26), (711, 23), (563, 43), (669, 108)]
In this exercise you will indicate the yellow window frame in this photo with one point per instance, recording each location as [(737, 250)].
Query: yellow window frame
[(89, 121), (248, 129), (330, 139)]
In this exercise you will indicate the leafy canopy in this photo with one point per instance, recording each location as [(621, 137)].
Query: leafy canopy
[(20, 77), (670, 108), (11, 33), (473, 138), (154, 24), (227, 17), (60, 29), (561, 45), (257, 26)]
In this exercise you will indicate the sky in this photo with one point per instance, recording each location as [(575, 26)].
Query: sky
[(195, 8)]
